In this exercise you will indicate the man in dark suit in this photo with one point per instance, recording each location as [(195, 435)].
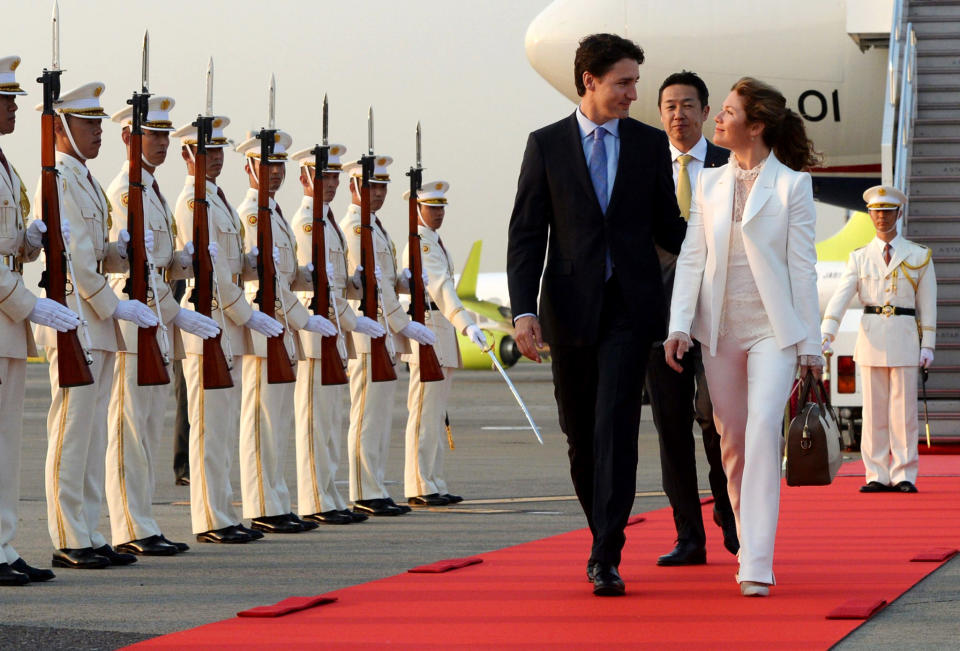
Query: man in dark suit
[(596, 186), (676, 398)]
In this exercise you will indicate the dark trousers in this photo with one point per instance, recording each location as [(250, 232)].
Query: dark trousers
[(676, 400), (181, 425), (598, 390)]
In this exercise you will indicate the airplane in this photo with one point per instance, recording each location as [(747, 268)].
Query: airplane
[(803, 49)]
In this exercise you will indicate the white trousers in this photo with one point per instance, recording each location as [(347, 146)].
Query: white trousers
[(319, 411), (426, 433), (890, 427), (266, 422), (214, 424), (76, 449), (13, 374), (134, 427), (749, 386), (368, 438)]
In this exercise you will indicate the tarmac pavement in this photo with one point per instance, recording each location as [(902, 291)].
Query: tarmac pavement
[(516, 491)]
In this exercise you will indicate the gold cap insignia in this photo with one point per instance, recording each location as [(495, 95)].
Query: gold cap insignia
[(13, 66), (125, 198), (276, 137), (217, 122), (307, 228), (164, 105), (335, 150), (98, 91), (438, 186), (881, 192), (252, 219), (381, 161), (357, 230)]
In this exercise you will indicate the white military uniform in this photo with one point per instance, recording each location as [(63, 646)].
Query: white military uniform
[(371, 403), (16, 337), (266, 413), (136, 415), (427, 401), (77, 420), (888, 349), (215, 414)]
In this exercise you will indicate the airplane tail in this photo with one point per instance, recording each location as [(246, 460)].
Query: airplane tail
[(467, 286)]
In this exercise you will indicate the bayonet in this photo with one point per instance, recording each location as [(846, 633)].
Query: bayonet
[(56, 36), (325, 121), (419, 160), (145, 65), (210, 87), (370, 131), (272, 107)]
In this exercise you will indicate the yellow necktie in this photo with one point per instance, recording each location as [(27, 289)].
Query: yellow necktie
[(683, 186)]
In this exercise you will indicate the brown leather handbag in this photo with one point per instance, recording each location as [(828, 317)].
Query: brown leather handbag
[(813, 439)]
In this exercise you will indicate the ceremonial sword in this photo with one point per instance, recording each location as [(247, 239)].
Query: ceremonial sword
[(926, 418), (526, 412)]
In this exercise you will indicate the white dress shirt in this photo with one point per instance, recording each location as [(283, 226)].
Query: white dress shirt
[(699, 153)]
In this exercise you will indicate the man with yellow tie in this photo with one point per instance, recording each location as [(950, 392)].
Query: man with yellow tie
[(677, 398)]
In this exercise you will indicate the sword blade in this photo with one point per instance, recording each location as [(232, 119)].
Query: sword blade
[(145, 64), (516, 394), (272, 108), (209, 85), (55, 65), (326, 118), (926, 416)]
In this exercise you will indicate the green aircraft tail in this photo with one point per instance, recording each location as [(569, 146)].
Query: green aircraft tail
[(467, 286)]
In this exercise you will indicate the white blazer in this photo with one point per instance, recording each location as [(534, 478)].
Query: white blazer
[(778, 235)]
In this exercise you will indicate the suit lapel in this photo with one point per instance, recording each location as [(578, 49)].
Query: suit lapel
[(762, 189), (723, 217), (575, 143), (716, 156)]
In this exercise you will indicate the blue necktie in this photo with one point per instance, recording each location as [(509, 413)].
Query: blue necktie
[(598, 175)]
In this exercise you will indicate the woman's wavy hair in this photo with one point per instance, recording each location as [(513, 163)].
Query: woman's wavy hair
[(783, 129)]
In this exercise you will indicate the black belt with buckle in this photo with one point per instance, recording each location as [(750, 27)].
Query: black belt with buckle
[(889, 310)]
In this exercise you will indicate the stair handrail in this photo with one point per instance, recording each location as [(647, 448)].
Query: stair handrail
[(888, 139), (907, 112)]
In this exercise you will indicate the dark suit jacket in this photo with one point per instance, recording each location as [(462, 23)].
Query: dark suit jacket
[(556, 204)]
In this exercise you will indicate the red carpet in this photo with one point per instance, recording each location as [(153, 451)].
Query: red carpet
[(839, 554)]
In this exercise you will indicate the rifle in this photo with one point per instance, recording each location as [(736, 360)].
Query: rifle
[(279, 364), (152, 359), (73, 358), (430, 370), (216, 367), (381, 361), (331, 363)]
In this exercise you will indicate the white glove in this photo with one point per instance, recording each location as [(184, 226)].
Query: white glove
[(214, 251), (321, 325), (265, 325), (419, 333), (49, 312), (358, 275), (64, 230), (35, 232), (329, 272), (926, 357), (403, 280), (825, 346), (185, 257), (476, 336), (252, 256), (369, 327), (148, 239), (196, 324), (135, 312), (276, 255), (123, 239)]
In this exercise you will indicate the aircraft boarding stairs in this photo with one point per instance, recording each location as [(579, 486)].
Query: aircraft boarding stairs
[(925, 157)]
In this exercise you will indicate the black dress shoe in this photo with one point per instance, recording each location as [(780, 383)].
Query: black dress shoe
[(253, 534), (875, 487), (224, 536), (403, 507), (36, 575), (592, 566), (728, 524), (453, 499), (607, 581), (9, 576), (905, 487), (685, 553), (149, 546), (433, 499), (183, 481), (115, 558), (275, 524), (79, 559), (181, 547), (305, 525), (330, 517), (353, 515), (378, 507)]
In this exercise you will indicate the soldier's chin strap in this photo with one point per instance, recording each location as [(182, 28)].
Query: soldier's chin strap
[(73, 143)]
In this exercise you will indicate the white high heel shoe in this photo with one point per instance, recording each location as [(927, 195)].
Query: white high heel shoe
[(754, 589)]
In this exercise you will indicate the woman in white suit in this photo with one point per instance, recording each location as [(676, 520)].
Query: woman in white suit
[(746, 289)]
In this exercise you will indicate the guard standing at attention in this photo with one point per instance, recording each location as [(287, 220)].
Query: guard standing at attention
[(895, 281)]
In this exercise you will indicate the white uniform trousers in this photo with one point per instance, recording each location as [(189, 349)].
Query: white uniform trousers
[(426, 433), (319, 414), (266, 421), (76, 449), (13, 373), (749, 386), (214, 423), (135, 424), (890, 427), (368, 438)]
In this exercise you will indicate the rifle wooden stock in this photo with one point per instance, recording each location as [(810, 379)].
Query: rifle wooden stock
[(279, 365), (430, 369), (72, 367), (331, 364), (216, 370), (381, 363), (151, 366)]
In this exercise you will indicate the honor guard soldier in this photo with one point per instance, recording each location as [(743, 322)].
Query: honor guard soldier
[(215, 414), (895, 281), (77, 420), (319, 407), (266, 418), (424, 484), (18, 306), (136, 415), (371, 403)]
